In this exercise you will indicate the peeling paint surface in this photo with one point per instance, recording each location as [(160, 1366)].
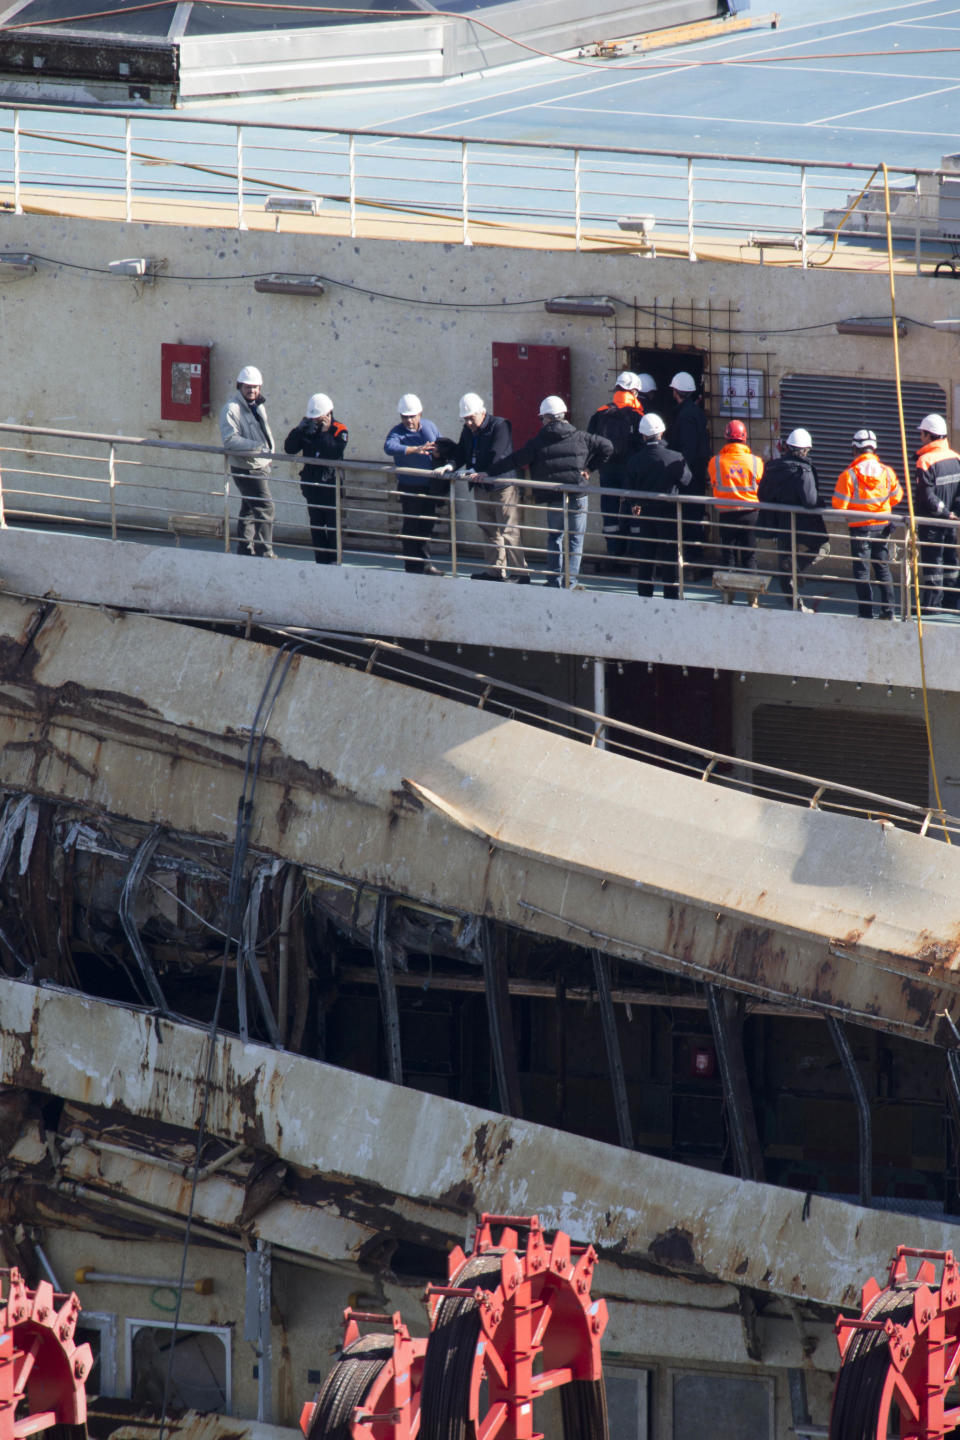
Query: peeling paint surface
[(404, 1154)]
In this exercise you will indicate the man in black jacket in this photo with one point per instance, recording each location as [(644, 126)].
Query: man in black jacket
[(619, 422), (319, 437), (688, 433), (792, 480), (484, 440), (559, 455), (652, 524), (936, 495)]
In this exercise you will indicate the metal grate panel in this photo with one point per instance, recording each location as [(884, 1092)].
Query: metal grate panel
[(833, 407)]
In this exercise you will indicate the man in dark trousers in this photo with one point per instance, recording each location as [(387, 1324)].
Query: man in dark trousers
[(618, 421), (687, 432), (560, 454), (319, 437), (792, 480), (484, 440), (654, 470), (936, 494), (248, 440), (411, 445)]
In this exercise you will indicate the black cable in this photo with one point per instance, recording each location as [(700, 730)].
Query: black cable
[(422, 303), (240, 847)]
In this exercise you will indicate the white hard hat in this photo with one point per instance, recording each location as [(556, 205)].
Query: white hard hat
[(409, 404), (933, 424), (470, 404), (651, 425), (319, 405), (626, 380), (684, 382), (553, 405), (646, 383), (249, 375), (800, 440), (864, 439)]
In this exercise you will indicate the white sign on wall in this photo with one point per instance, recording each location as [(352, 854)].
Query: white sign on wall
[(741, 391)]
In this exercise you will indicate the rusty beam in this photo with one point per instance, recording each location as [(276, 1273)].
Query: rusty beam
[(410, 793), (400, 1158), (726, 1022)]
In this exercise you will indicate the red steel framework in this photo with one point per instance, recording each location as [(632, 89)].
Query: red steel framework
[(42, 1370), (900, 1358), (513, 1323)]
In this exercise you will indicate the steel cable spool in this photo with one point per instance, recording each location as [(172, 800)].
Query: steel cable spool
[(448, 1368), (866, 1365), (583, 1405), (901, 1356), (514, 1324), (348, 1385)]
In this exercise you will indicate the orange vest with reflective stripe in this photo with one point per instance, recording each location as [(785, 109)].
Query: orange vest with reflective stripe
[(868, 485), (734, 476)]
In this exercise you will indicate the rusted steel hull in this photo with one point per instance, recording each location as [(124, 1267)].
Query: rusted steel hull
[(408, 1163), (414, 794)]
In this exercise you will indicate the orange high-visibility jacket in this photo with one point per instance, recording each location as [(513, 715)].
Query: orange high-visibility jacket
[(734, 476), (869, 487)]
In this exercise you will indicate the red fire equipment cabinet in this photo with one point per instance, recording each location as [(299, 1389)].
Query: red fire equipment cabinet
[(523, 375), (185, 382)]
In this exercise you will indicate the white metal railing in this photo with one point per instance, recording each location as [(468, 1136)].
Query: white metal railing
[(168, 492), (133, 166)]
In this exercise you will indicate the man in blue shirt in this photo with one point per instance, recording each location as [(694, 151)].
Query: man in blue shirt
[(410, 446)]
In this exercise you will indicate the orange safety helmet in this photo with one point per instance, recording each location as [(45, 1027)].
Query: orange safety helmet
[(736, 430)]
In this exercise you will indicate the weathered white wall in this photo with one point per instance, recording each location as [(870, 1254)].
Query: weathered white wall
[(88, 344)]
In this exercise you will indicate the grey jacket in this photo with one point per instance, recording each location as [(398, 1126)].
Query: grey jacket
[(243, 438)]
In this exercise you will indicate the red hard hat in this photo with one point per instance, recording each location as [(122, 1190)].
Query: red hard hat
[(736, 430)]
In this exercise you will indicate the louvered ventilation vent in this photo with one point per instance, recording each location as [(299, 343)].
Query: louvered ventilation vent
[(833, 407), (885, 753)]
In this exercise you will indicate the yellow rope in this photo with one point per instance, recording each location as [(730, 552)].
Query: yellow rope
[(914, 548), (819, 264)]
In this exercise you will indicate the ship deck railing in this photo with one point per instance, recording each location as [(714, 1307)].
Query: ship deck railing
[(166, 169), (176, 493)]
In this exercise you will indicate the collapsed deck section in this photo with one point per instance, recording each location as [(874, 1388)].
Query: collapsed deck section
[(345, 1163), (416, 795)]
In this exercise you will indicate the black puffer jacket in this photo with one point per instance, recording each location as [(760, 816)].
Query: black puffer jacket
[(307, 439), (792, 480), (559, 454), (619, 424)]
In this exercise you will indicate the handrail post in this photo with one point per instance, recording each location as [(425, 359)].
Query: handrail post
[(906, 595), (226, 506), (127, 171), (464, 177), (112, 472), (794, 568), (453, 526), (565, 541), (241, 223), (577, 201), (691, 249), (338, 515), (803, 217), (352, 166), (916, 224), (681, 562), (17, 203)]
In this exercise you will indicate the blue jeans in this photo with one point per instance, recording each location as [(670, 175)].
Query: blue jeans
[(576, 529)]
